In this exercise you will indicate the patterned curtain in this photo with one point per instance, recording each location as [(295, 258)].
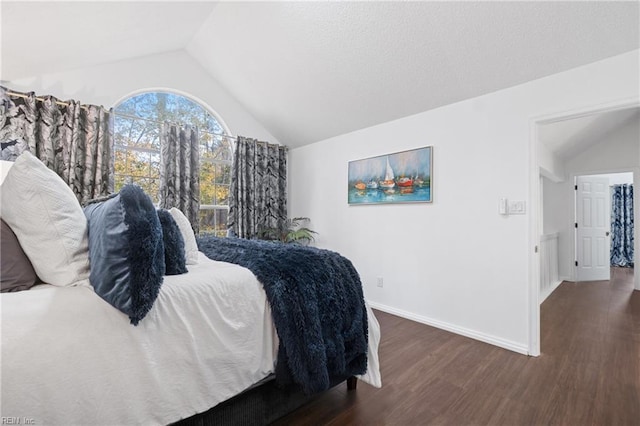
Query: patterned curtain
[(180, 171), (73, 140), (258, 198), (622, 226)]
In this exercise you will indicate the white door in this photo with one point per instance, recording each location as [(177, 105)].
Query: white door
[(593, 219)]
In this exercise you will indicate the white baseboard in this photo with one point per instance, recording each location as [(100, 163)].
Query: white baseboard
[(543, 296), (492, 340)]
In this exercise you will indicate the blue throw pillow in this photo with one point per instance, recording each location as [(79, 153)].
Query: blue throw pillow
[(126, 251), (174, 256)]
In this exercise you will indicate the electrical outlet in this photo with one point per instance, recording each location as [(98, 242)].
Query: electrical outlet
[(380, 282)]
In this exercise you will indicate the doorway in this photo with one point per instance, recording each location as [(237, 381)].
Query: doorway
[(604, 225), (583, 132)]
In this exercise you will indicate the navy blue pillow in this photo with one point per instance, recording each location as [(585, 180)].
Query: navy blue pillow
[(175, 259), (126, 251)]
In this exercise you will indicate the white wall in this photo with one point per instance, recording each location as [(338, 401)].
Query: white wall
[(559, 216), (109, 83), (618, 151), (455, 263), (551, 166)]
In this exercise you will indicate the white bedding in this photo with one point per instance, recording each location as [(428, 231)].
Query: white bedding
[(68, 357)]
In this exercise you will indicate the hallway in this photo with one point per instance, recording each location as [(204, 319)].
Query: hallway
[(592, 331)]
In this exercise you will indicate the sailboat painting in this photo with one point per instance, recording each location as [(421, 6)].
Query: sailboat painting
[(401, 177)]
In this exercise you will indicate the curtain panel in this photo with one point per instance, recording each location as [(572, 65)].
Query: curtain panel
[(73, 140), (258, 198), (180, 171), (622, 226)]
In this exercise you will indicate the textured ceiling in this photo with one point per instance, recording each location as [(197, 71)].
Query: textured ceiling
[(309, 71), (312, 70)]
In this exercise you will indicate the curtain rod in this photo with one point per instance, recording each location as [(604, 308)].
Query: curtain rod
[(41, 99), (25, 96), (62, 103)]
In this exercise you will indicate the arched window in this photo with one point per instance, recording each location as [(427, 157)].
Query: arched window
[(137, 150)]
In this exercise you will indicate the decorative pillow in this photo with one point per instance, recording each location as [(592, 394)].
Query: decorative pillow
[(16, 272), (98, 200), (11, 149), (174, 256), (126, 251), (190, 245), (46, 217)]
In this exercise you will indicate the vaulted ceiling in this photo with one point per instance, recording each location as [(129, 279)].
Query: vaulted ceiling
[(567, 138), (312, 70)]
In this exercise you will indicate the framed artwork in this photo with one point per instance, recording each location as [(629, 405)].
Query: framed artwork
[(401, 177)]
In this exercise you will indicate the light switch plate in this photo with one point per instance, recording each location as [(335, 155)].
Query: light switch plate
[(517, 207)]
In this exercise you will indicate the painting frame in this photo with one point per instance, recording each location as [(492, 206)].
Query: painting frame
[(396, 178)]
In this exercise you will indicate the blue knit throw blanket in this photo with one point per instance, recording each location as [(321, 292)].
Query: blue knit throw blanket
[(317, 306)]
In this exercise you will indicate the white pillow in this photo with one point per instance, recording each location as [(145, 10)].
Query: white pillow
[(48, 221), (190, 246), (4, 169)]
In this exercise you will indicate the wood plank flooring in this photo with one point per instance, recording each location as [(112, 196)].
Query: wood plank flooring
[(588, 373)]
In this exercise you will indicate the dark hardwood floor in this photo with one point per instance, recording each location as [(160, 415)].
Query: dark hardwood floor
[(588, 373)]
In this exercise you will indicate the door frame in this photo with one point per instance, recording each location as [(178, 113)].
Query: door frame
[(535, 203)]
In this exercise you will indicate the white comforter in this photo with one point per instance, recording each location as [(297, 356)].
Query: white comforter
[(68, 357)]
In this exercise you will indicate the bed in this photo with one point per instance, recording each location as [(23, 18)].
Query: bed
[(208, 340)]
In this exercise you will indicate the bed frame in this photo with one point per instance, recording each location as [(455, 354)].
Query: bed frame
[(259, 405)]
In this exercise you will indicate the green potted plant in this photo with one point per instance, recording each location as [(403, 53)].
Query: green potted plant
[(293, 231)]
